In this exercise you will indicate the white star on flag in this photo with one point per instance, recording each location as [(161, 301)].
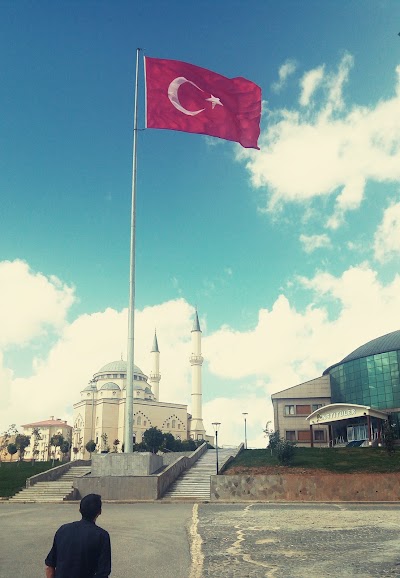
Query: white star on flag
[(214, 100)]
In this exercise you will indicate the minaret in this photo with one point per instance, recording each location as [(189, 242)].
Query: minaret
[(197, 430), (154, 378)]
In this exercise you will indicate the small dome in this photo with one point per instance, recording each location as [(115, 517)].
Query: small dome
[(90, 387), (110, 386)]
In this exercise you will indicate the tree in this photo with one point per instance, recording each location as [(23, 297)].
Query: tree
[(5, 439), (75, 450), (268, 431), (106, 447), (22, 442), (169, 442), (36, 438), (90, 447), (285, 451), (12, 449), (389, 436), (274, 440), (188, 445), (282, 449), (56, 441), (153, 439), (64, 448), (115, 445)]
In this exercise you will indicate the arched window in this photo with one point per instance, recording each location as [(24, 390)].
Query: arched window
[(173, 424), (139, 420)]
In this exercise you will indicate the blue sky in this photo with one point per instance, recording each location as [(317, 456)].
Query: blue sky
[(290, 253)]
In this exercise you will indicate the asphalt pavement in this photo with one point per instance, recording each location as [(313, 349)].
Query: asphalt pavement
[(184, 540)]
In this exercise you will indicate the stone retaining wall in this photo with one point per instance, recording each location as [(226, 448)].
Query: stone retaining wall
[(54, 473), (132, 488), (132, 464), (304, 487)]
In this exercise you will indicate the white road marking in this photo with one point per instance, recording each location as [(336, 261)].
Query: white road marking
[(196, 552)]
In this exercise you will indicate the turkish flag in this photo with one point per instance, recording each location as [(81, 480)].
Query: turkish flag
[(181, 96)]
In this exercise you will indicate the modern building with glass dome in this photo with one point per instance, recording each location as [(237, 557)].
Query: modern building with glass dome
[(349, 403)]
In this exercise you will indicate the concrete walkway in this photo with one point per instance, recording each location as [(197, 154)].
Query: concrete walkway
[(184, 540)]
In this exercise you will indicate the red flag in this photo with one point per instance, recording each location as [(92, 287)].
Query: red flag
[(181, 96)]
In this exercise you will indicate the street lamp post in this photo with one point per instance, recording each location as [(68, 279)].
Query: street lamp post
[(245, 429), (216, 425)]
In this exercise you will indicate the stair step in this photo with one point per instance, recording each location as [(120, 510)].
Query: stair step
[(53, 491)]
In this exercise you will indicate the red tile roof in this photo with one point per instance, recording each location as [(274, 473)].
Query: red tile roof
[(48, 423)]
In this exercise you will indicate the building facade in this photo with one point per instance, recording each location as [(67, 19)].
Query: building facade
[(46, 430), (349, 403)]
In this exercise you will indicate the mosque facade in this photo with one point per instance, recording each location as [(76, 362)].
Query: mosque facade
[(100, 413)]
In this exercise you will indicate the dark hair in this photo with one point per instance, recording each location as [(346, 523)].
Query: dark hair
[(90, 506)]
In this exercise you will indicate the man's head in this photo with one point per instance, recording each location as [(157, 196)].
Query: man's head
[(90, 507)]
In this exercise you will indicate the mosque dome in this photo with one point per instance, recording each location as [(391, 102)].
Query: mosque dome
[(118, 367), (117, 370), (383, 344), (110, 386)]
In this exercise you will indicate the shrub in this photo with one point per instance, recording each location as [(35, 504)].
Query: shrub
[(285, 451)]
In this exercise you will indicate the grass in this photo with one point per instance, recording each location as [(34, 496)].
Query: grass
[(339, 460), (14, 475)]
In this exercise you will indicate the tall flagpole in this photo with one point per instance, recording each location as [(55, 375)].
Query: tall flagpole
[(128, 442)]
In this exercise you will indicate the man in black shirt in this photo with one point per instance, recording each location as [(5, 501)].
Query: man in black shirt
[(81, 549)]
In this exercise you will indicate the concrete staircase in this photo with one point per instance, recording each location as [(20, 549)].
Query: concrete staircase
[(194, 484), (56, 491)]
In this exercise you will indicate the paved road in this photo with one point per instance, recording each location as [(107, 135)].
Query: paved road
[(161, 540)]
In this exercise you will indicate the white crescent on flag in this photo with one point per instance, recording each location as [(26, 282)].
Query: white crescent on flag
[(173, 95)]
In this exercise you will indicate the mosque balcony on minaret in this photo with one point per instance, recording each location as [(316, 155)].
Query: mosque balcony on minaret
[(196, 359), (154, 376)]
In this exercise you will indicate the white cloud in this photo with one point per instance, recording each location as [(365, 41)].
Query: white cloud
[(288, 346), (30, 303), (312, 242), (285, 347), (387, 236), (327, 148), (88, 343), (285, 71), (309, 84)]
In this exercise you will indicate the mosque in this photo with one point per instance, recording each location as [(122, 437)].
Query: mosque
[(100, 413)]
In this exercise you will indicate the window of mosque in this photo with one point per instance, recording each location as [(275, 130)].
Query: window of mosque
[(179, 426), (168, 424), (145, 423), (139, 420), (173, 423)]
